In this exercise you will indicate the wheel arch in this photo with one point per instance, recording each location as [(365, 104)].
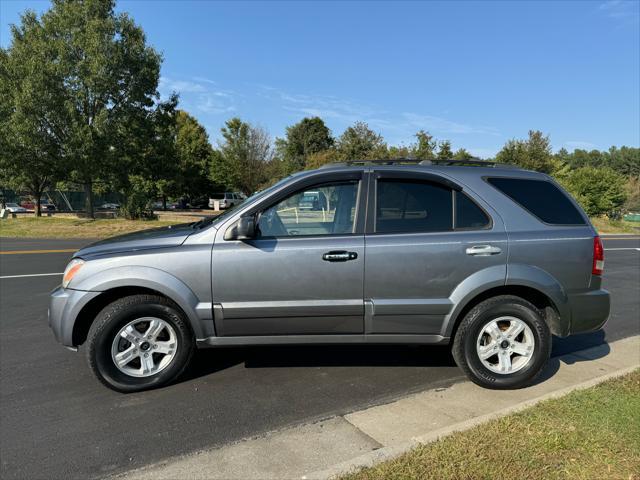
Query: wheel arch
[(536, 296), (120, 282)]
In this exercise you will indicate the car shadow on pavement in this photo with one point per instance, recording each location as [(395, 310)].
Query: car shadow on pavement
[(208, 361), (564, 347)]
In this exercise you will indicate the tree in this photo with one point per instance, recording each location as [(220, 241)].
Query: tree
[(194, 156), (599, 190), (242, 160), (445, 152), (425, 147), (533, 154), (80, 74), (29, 150), (359, 142), (462, 154), (305, 138)]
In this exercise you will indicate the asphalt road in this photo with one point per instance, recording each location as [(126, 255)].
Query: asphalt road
[(58, 421)]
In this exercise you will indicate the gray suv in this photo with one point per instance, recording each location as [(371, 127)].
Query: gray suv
[(491, 260)]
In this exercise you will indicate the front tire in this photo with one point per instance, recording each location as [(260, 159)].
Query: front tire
[(139, 342), (502, 343)]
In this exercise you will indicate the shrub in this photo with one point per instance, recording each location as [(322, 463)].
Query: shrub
[(600, 191)]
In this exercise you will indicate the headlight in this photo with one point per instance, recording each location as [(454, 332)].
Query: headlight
[(74, 267)]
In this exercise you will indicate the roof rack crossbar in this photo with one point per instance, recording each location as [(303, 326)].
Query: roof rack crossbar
[(445, 162)]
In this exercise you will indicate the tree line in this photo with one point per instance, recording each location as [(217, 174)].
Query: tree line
[(79, 107)]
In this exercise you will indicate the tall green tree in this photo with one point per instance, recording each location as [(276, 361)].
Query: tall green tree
[(243, 157), (28, 152), (307, 137), (359, 142), (81, 72), (425, 146), (533, 153), (194, 156), (445, 152)]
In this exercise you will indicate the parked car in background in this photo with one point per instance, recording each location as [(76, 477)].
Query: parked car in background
[(109, 206), (47, 207), (15, 208), (226, 200), (28, 204), (313, 201), (491, 260)]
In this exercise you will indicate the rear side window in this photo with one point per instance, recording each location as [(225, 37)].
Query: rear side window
[(542, 198), (468, 214), (410, 206)]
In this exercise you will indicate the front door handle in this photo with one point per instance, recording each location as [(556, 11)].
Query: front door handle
[(483, 250), (339, 256)]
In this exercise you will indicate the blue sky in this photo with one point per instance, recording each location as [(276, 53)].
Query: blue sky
[(476, 73)]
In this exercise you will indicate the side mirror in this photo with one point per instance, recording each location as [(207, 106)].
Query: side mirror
[(244, 229)]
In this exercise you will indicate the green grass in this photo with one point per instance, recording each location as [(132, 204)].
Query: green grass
[(606, 225), (72, 227), (588, 434)]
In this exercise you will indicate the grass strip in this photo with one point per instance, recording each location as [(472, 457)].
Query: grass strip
[(588, 434)]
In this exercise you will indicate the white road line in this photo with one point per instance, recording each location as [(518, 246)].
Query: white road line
[(607, 249), (32, 275)]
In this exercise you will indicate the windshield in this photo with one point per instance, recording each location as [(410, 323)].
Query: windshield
[(257, 195)]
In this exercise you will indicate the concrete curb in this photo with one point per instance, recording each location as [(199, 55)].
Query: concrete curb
[(388, 453)]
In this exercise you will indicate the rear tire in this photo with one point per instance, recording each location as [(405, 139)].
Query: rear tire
[(139, 342), (502, 343)]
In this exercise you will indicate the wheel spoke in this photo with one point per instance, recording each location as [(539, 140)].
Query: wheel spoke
[(146, 363), (504, 361), (126, 356), (166, 348), (131, 334), (487, 351), (493, 330), (155, 327), (521, 348), (514, 329)]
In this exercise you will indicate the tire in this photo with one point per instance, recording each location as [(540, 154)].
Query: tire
[(166, 351), (477, 335)]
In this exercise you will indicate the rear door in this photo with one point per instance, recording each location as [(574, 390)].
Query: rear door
[(425, 235)]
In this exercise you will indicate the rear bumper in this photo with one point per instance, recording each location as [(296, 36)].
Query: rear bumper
[(589, 311), (64, 307)]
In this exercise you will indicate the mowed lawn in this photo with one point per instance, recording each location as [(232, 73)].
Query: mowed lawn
[(72, 227), (588, 434)]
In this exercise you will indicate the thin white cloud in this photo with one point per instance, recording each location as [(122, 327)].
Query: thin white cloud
[(442, 125), (199, 94), (180, 86), (624, 11)]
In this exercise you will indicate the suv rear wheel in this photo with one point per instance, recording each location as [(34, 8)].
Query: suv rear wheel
[(503, 342), (139, 342)]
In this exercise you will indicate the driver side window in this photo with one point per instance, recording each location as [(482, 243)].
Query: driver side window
[(324, 209)]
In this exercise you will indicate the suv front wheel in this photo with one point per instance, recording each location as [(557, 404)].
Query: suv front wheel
[(139, 342), (503, 342)]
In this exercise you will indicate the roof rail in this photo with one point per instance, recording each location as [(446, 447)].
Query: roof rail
[(446, 162)]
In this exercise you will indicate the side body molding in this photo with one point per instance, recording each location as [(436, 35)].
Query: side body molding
[(153, 279)]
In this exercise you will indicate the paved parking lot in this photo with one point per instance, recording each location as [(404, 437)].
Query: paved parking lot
[(58, 421)]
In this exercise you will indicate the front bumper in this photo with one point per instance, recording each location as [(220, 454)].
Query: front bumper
[(589, 311), (64, 307)]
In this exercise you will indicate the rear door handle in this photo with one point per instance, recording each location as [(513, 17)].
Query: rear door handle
[(483, 250), (339, 256)]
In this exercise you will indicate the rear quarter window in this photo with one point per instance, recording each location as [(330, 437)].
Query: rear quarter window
[(541, 198)]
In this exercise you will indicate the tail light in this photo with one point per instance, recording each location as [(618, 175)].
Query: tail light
[(598, 256)]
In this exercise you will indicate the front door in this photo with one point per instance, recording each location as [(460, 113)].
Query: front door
[(425, 236), (303, 274)]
